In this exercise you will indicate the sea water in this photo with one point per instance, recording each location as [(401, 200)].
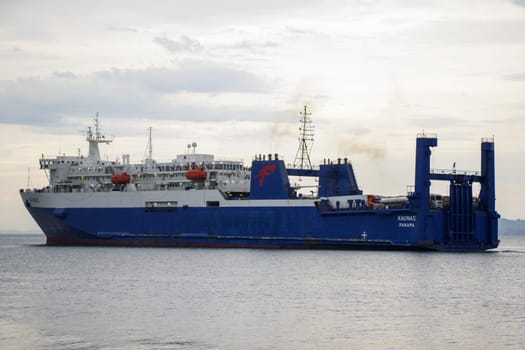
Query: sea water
[(175, 298)]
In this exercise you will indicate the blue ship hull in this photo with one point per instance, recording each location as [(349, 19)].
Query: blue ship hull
[(263, 227)]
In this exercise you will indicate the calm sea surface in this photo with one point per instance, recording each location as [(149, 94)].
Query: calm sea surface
[(163, 298)]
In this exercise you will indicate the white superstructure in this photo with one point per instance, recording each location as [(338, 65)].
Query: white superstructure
[(187, 171)]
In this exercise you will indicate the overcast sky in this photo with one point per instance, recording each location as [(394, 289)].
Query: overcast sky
[(233, 75)]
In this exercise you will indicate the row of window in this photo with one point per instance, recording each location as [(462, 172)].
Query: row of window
[(94, 169), (51, 162)]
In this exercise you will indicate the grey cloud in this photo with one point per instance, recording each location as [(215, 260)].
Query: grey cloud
[(10, 52), (49, 101), (300, 31), (515, 77), (183, 44), (186, 45), (64, 75), (250, 44), (191, 76), (519, 2), (126, 93)]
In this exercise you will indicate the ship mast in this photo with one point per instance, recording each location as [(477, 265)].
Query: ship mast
[(94, 138), (148, 157), (306, 140)]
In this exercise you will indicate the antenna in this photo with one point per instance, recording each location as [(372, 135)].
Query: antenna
[(97, 136), (306, 140), (97, 127), (148, 157), (28, 177)]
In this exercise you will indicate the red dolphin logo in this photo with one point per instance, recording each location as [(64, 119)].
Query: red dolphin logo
[(266, 171)]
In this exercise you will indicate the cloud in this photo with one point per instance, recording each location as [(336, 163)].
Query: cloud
[(124, 29), (519, 2), (193, 91), (12, 51), (190, 76), (465, 32), (64, 75), (183, 44), (515, 77), (251, 45)]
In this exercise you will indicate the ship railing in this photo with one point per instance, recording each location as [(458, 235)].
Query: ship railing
[(455, 172), (314, 167), (34, 190), (221, 159)]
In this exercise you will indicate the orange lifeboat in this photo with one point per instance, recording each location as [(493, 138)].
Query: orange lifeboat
[(120, 179), (196, 174)]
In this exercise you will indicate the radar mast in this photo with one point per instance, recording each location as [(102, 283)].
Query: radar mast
[(306, 140), (148, 156), (94, 138)]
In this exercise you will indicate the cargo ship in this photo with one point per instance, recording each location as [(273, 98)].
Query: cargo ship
[(196, 200)]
